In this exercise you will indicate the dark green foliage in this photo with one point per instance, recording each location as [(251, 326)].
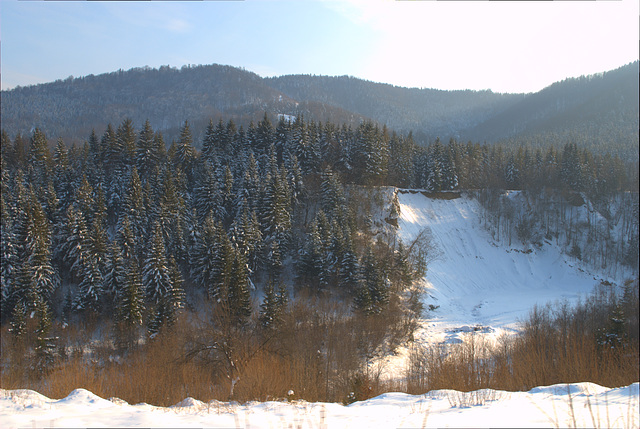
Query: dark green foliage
[(373, 292), (44, 348), (155, 270), (119, 219), (273, 306), (18, 322), (131, 296)]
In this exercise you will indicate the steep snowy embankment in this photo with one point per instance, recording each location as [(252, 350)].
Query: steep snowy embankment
[(475, 282)]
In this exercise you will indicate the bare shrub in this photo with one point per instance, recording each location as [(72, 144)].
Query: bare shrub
[(559, 344)]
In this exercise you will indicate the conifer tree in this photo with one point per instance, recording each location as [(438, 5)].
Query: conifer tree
[(208, 198), (8, 258), (18, 322), (126, 141), (373, 294), (276, 211), (133, 209), (166, 310), (238, 296), (39, 156), (90, 292), (115, 273), (273, 305), (246, 236), (155, 272), (205, 254), (185, 152), (333, 199), (130, 306), (44, 344), (146, 151)]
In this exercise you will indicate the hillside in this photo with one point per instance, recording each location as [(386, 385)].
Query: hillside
[(593, 110), (476, 281), (166, 97), (426, 112), (596, 111)]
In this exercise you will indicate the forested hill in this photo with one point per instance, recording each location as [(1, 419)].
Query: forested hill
[(426, 112), (599, 111), (596, 111)]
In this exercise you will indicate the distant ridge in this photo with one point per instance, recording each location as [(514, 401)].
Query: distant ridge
[(590, 109)]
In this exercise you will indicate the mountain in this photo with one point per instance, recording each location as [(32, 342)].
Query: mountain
[(590, 109), (426, 112), (598, 109)]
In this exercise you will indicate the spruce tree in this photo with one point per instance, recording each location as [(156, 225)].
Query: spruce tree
[(130, 305), (146, 151), (373, 293), (273, 305), (155, 271), (44, 344), (115, 273)]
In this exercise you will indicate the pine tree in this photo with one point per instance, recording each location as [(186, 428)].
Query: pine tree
[(146, 151), (204, 254), (273, 305), (208, 198), (8, 258), (45, 345), (239, 298), (309, 265), (276, 211), (115, 273), (126, 140), (90, 292), (222, 262), (130, 305), (114, 152), (155, 272), (84, 199), (185, 152), (333, 198), (133, 209), (126, 240), (39, 157), (349, 276), (35, 278), (373, 294), (18, 323), (402, 267), (246, 236)]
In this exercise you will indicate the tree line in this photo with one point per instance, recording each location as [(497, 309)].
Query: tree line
[(129, 229)]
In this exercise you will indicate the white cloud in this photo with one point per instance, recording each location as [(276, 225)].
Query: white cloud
[(176, 25)]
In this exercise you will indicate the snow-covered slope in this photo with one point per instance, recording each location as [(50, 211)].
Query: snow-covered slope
[(575, 405), (478, 284)]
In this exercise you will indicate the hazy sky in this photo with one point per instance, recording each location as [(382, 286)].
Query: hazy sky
[(503, 46)]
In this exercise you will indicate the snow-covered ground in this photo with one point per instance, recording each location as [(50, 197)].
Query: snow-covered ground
[(576, 405), (475, 284)]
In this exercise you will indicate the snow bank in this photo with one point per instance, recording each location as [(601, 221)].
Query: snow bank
[(582, 404)]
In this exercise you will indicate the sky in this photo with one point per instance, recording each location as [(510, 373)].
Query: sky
[(503, 46)]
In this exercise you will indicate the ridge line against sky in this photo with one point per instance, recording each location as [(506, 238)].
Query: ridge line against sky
[(502, 46)]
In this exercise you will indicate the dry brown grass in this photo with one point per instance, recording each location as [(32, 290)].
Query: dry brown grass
[(557, 346), (321, 352)]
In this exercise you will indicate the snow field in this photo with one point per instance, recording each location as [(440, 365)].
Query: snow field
[(476, 285), (574, 405)]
